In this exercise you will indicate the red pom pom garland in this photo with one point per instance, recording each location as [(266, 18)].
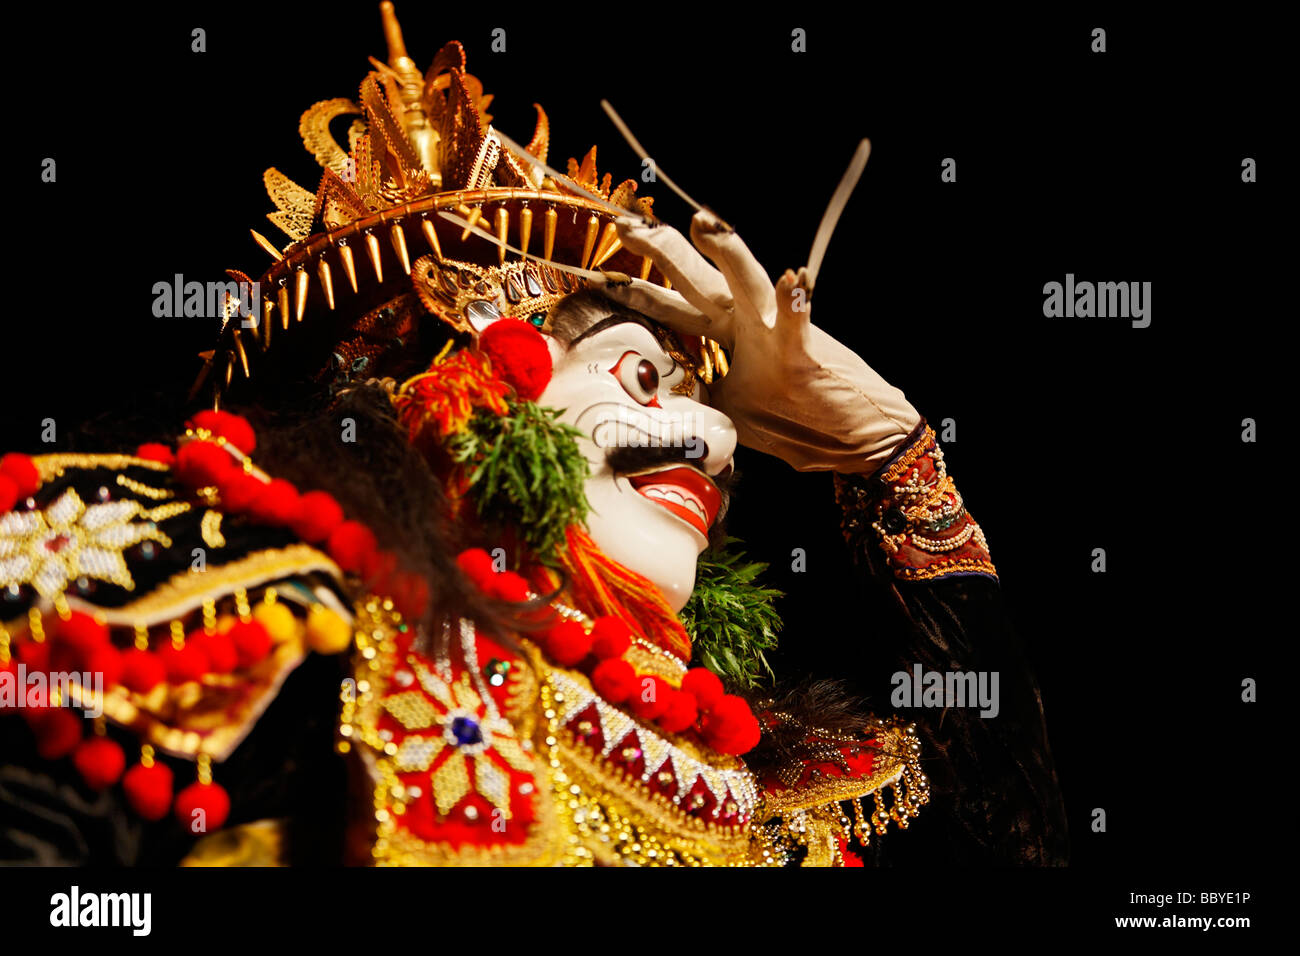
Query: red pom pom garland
[(599, 647)]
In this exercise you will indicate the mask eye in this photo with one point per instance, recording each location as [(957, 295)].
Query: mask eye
[(639, 378)]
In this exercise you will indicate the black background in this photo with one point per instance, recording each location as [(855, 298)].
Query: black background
[(1070, 434)]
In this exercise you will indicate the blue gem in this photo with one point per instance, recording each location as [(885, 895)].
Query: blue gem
[(466, 731)]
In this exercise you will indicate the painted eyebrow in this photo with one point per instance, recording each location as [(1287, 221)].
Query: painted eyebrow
[(610, 322)]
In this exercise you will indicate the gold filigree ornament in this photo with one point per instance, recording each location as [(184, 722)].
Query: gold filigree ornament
[(424, 164), (69, 539)]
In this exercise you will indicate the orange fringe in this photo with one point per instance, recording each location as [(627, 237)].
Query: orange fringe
[(443, 398), (599, 585)]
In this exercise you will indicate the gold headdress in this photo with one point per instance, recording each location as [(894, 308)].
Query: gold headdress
[(424, 165)]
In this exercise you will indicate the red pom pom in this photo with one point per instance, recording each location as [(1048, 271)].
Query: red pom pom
[(276, 504), (410, 595), (352, 545), (252, 642), (149, 790), (21, 470), (183, 664), (317, 515), (704, 685), (610, 637), (35, 656), (100, 762), (651, 698), (201, 463), (730, 727), (82, 633), (614, 679), (154, 451), (233, 428), (202, 807), (57, 733), (238, 490), (519, 356), (219, 649), (106, 661), (142, 671), (567, 643), (681, 712), (508, 586), (8, 494), (476, 564)]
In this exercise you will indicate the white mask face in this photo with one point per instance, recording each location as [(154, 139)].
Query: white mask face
[(652, 511)]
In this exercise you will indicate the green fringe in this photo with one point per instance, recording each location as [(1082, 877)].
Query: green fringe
[(731, 618), (525, 472)]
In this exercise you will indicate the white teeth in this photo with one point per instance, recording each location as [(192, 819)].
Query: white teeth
[(667, 494)]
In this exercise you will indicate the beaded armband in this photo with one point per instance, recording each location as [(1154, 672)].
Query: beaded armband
[(912, 510)]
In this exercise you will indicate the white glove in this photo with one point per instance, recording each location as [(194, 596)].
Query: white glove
[(792, 390)]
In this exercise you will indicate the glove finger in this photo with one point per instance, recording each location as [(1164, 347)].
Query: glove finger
[(746, 278), (690, 273), (793, 305), (665, 306)]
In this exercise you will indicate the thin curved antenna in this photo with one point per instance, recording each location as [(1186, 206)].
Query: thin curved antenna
[(831, 216), (645, 157)]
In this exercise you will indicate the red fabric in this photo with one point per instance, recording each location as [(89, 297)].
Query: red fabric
[(476, 564), (508, 586)]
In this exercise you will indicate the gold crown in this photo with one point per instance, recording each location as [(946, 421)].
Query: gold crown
[(507, 236)]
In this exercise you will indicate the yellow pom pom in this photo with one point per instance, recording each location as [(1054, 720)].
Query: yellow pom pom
[(327, 632), (278, 621), (225, 622)]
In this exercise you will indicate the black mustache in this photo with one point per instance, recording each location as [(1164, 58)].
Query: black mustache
[(625, 459)]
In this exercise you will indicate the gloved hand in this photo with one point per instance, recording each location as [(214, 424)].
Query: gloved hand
[(792, 390)]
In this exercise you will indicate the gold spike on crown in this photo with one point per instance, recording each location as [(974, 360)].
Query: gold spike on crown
[(421, 147)]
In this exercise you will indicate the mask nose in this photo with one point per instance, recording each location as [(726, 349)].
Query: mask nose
[(709, 437)]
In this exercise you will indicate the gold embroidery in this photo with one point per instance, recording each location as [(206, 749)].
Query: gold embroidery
[(53, 466), (210, 529), (143, 490)]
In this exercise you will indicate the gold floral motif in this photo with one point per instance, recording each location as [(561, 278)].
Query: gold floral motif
[(47, 549)]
